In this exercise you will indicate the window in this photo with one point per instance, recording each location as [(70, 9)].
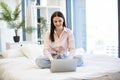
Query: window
[(102, 27)]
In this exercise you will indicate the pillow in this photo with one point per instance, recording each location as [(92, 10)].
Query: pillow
[(32, 51), (12, 53)]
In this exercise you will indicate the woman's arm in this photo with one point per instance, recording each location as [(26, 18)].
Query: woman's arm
[(46, 49), (71, 45)]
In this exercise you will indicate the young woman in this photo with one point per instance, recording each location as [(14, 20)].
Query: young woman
[(58, 41)]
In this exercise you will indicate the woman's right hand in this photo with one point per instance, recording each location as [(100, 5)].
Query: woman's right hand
[(51, 59)]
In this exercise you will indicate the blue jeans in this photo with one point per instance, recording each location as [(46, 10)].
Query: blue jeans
[(43, 62)]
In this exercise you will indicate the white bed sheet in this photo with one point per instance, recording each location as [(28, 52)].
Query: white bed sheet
[(96, 67)]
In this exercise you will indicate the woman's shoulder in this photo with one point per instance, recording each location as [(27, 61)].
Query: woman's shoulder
[(68, 30), (48, 32)]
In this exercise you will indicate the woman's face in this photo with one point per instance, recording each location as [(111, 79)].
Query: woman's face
[(58, 22)]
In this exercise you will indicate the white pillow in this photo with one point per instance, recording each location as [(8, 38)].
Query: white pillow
[(12, 53), (32, 51)]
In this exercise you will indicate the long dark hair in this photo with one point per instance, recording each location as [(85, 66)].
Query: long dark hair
[(59, 14)]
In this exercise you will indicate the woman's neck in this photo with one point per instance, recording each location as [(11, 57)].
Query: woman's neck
[(59, 31)]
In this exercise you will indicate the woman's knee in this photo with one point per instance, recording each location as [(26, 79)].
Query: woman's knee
[(42, 62), (38, 61), (79, 60)]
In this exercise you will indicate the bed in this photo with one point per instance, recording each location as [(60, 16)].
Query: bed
[(17, 64)]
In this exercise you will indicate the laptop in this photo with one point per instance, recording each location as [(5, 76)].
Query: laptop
[(63, 65)]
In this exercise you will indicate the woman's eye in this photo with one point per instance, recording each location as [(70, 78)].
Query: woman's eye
[(55, 21), (60, 21)]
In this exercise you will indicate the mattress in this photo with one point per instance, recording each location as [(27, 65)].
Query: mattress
[(96, 67)]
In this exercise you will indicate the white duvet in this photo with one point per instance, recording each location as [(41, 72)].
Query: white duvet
[(96, 67)]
